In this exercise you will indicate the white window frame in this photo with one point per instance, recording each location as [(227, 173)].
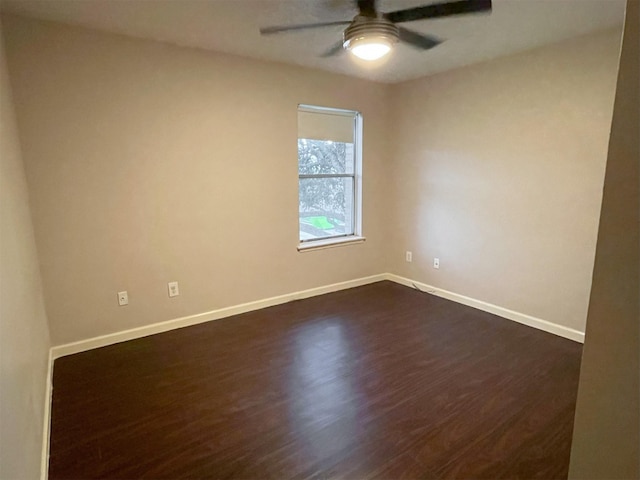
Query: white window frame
[(356, 236)]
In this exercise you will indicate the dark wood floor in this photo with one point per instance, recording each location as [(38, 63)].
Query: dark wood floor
[(379, 381)]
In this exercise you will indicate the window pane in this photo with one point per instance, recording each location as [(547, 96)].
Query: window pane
[(325, 156), (326, 207)]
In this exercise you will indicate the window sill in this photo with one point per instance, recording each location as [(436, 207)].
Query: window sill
[(330, 243)]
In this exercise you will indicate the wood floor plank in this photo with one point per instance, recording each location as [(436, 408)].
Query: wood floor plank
[(379, 381)]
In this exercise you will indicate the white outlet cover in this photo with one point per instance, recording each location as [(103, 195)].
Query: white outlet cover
[(123, 298), (174, 291)]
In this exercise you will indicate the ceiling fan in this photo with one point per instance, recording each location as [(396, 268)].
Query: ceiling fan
[(372, 34)]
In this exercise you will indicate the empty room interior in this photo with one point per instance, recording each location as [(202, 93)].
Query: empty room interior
[(320, 239)]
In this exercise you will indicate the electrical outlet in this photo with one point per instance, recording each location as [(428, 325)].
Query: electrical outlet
[(436, 263), (409, 257), (123, 298), (173, 289)]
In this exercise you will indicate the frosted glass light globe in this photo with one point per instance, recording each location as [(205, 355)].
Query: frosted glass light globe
[(371, 51), (369, 48)]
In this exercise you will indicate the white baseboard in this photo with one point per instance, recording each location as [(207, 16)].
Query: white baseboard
[(122, 336), (46, 420), (117, 337), (523, 318)]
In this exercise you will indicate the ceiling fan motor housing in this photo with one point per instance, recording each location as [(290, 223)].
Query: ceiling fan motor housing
[(368, 28)]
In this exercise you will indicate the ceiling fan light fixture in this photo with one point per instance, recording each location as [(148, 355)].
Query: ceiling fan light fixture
[(370, 38), (370, 48)]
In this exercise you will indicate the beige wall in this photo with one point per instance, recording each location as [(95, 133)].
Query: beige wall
[(606, 441), (498, 172), (149, 163), (24, 335)]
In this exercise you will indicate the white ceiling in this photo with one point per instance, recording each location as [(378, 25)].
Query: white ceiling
[(232, 26)]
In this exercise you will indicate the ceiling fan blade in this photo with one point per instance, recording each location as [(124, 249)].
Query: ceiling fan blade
[(289, 28), (367, 8), (334, 50), (418, 40), (438, 10)]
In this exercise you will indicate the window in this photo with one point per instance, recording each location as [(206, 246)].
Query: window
[(329, 176)]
